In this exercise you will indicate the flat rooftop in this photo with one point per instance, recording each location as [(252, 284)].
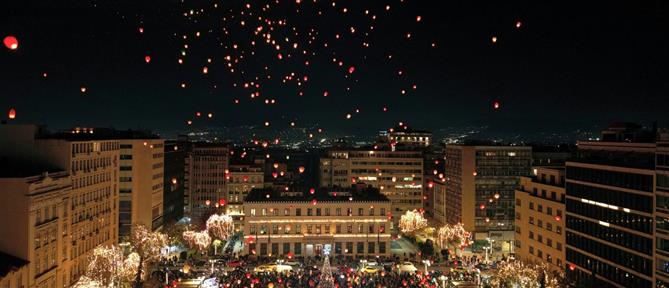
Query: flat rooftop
[(320, 194)]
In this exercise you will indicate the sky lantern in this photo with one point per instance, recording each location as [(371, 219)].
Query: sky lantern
[(482, 206), (301, 169), (221, 202), (496, 195), (518, 24), (147, 58), (189, 122), (83, 89), (494, 39), (325, 93), (198, 114), (141, 30), (558, 218), (418, 18), (11, 114), (174, 180), (210, 115), (312, 191), (207, 202), (314, 202), (496, 105), (351, 69), (205, 70), (11, 42)]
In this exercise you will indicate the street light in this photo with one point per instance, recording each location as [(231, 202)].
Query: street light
[(443, 279), (490, 241), (427, 264)]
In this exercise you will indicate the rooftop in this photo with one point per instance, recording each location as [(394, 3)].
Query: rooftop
[(366, 193), (86, 134), (9, 263)]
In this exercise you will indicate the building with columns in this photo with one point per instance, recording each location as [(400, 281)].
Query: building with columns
[(347, 222)]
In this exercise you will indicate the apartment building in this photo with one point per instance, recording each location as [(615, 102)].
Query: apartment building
[(540, 218)]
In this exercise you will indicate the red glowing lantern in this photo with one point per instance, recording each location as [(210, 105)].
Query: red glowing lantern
[(312, 191), (12, 113), (147, 58), (572, 267), (496, 105), (558, 218), (11, 42), (430, 185), (207, 202), (301, 169), (482, 206), (314, 202), (351, 70), (221, 202)]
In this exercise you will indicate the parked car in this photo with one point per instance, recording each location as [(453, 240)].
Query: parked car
[(408, 267)]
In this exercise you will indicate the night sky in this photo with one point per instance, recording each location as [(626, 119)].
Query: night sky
[(570, 64)]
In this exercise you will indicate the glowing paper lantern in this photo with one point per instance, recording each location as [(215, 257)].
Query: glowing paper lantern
[(12, 114), (351, 70), (147, 58), (301, 169), (207, 202), (221, 202), (11, 42), (496, 105)]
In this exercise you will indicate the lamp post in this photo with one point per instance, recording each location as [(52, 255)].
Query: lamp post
[(426, 262), (443, 279), (490, 241)]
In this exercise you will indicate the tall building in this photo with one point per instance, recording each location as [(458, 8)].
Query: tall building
[(241, 179), (206, 168), (346, 222), (92, 162), (141, 181), (35, 202), (540, 213), (174, 179), (480, 181), (398, 174), (613, 231), (437, 200)]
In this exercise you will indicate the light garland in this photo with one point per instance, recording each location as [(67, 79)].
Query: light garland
[(517, 273), (220, 226), (412, 221), (454, 236), (201, 240)]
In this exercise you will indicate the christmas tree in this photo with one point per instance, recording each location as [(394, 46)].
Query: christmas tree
[(327, 281)]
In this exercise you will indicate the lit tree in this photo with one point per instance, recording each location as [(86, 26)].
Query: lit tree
[(220, 226), (108, 267), (412, 221), (147, 244), (85, 282), (326, 281), (519, 274), (200, 240), (453, 236)]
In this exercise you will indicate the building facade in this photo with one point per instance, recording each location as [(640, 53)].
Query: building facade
[(14, 271), (36, 207), (205, 184), (92, 161), (397, 174), (481, 182), (287, 224), (141, 173), (241, 179), (610, 206), (540, 210), (174, 180)]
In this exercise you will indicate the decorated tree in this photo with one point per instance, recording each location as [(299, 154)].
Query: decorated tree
[(326, 281), (454, 237), (197, 239), (412, 221), (147, 245), (220, 226), (518, 274)]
